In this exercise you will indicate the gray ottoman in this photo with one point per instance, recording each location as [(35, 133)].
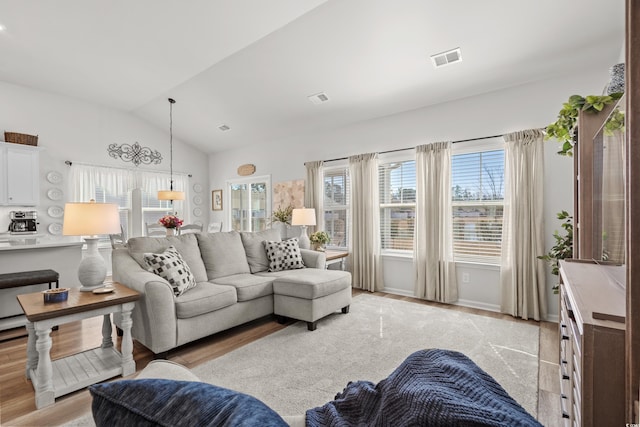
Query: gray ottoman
[(310, 294)]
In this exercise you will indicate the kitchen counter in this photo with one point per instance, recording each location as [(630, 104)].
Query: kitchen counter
[(33, 252), (13, 242)]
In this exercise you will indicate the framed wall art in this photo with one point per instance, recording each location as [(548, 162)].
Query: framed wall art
[(216, 200)]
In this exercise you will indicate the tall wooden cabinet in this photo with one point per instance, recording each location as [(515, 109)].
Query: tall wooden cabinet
[(593, 303)]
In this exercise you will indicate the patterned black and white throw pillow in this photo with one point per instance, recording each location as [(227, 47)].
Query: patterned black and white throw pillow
[(284, 255), (170, 266)]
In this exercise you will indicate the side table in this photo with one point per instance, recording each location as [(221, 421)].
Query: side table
[(52, 379), (334, 257)]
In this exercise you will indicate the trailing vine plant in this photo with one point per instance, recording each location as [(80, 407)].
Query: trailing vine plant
[(563, 247), (563, 128)]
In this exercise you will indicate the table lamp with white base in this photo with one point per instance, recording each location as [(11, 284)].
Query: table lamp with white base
[(90, 220), (304, 217)]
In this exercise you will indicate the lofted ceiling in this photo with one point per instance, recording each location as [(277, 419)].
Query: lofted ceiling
[(251, 64)]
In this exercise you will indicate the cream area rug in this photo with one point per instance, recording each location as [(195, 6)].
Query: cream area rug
[(293, 369)]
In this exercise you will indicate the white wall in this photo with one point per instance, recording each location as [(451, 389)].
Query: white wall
[(78, 131), (534, 105), (70, 129)]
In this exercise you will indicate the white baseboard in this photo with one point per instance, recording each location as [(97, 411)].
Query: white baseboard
[(478, 305), (466, 303), (552, 318), (396, 291)]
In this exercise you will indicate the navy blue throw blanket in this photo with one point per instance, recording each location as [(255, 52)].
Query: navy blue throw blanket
[(430, 388)]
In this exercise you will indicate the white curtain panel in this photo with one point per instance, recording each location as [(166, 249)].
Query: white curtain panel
[(365, 222), (522, 274), (84, 178), (433, 239), (314, 192)]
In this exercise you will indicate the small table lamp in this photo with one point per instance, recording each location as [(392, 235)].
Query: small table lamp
[(304, 217), (90, 220)]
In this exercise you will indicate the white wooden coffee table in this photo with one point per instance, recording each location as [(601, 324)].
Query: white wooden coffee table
[(52, 379)]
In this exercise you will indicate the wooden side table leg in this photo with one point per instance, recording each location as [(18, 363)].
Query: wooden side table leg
[(32, 353), (44, 373), (128, 364), (107, 341)]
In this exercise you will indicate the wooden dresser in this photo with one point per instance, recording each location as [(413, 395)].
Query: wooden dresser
[(592, 344)]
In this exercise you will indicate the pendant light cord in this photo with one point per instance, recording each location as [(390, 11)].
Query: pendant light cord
[(171, 102)]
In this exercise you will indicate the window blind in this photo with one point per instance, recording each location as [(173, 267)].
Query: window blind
[(336, 205), (397, 183), (478, 204)]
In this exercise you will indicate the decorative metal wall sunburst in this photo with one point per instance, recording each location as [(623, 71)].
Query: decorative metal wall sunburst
[(135, 154)]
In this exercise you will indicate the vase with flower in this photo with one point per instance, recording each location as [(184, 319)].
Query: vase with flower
[(172, 223), (319, 239)]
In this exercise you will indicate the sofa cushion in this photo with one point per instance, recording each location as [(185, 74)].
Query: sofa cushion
[(204, 298), (254, 248), (187, 245), (311, 283), (176, 403), (284, 255), (248, 286), (223, 254), (170, 266)]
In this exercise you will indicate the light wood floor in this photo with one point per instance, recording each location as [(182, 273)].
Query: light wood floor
[(17, 407)]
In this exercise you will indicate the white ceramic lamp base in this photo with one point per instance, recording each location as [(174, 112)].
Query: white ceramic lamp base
[(304, 241), (93, 269)]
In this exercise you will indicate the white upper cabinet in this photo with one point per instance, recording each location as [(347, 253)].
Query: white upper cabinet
[(19, 175)]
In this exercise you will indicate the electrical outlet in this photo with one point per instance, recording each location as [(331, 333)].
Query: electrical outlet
[(465, 277)]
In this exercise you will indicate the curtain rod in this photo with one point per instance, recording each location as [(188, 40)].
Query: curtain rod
[(69, 163), (411, 148)]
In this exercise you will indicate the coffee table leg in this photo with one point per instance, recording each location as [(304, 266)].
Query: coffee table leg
[(32, 353), (107, 341), (44, 373), (128, 364)]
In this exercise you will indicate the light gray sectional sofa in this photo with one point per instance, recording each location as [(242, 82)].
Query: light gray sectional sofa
[(234, 286)]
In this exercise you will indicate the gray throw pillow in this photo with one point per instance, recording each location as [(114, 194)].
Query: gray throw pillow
[(170, 266), (253, 246), (284, 255), (223, 254), (186, 244)]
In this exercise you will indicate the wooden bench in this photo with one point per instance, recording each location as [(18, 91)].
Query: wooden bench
[(24, 278), (27, 278)]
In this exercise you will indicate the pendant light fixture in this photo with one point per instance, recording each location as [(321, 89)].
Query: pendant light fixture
[(171, 194)]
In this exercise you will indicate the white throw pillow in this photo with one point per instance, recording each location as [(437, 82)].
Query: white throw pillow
[(170, 266), (284, 255)]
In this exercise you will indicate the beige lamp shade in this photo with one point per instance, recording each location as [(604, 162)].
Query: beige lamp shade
[(170, 195), (304, 216), (88, 219)]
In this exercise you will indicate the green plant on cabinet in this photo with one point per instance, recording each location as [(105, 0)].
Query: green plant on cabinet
[(563, 247)]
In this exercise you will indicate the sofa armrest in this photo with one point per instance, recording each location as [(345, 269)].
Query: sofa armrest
[(314, 259), (154, 323)]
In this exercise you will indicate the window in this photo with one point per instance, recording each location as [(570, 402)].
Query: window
[(152, 208), (249, 204), (134, 191), (397, 183), (336, 205), (123, 201), (477, 203)]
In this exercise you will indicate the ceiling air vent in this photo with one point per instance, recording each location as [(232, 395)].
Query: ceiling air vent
[(224, 128), (446, 58), (318, 98)]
